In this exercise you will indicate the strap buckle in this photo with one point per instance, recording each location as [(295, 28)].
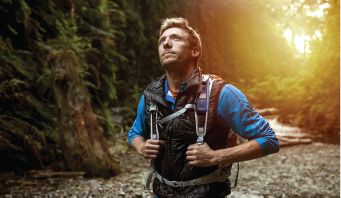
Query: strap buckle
[(177, 184), (200, 140)]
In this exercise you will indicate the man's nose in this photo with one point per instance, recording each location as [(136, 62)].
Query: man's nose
[(167, 43)]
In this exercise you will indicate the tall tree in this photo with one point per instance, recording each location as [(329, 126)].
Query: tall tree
[(82, 141)]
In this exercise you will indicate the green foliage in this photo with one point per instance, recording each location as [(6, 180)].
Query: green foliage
[(114, 44), (25, 120)]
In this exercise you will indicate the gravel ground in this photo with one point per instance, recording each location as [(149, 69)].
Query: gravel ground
[(298, 171)]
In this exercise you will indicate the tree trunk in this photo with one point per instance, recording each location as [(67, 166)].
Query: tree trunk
[(82, 141)]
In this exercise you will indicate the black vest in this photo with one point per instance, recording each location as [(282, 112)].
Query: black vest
[(180, 132)]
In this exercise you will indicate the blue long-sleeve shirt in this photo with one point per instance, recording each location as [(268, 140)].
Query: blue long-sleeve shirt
[(234, 109)]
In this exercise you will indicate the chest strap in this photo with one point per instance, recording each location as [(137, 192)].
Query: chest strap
[(176, 114)]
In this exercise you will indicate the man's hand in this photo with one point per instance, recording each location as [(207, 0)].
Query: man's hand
[(151, 148), (201, 155)]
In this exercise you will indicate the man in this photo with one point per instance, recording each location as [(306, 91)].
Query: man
[(189, 116)]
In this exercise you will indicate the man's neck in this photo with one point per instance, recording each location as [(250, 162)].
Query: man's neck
[(176, 77)]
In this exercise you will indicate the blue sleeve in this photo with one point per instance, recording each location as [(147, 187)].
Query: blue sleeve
[(237, 112), (139, 126)]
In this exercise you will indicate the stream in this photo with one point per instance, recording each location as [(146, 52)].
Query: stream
[(287, 134)]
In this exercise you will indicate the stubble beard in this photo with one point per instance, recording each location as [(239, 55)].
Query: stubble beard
[(175, 65)]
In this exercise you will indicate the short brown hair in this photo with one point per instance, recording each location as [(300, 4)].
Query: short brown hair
[(179, 22)]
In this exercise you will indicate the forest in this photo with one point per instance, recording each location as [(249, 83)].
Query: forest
[(86, 63)]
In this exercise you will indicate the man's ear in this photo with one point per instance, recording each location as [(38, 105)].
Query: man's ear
[(195, 52)]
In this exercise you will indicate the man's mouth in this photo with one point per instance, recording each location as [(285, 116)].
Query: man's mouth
[(165, 53)]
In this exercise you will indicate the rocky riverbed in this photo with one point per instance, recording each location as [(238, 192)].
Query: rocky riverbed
[(310, 170)]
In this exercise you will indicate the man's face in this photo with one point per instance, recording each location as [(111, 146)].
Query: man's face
[(174, 48)]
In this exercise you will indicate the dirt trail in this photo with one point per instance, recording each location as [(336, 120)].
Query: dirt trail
[(310, 170)]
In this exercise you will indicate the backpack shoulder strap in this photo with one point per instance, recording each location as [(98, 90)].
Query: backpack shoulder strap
[(201, 106)]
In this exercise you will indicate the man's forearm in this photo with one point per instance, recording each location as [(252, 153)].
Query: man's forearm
[(204, 156), (245, 151), (138, 143)]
